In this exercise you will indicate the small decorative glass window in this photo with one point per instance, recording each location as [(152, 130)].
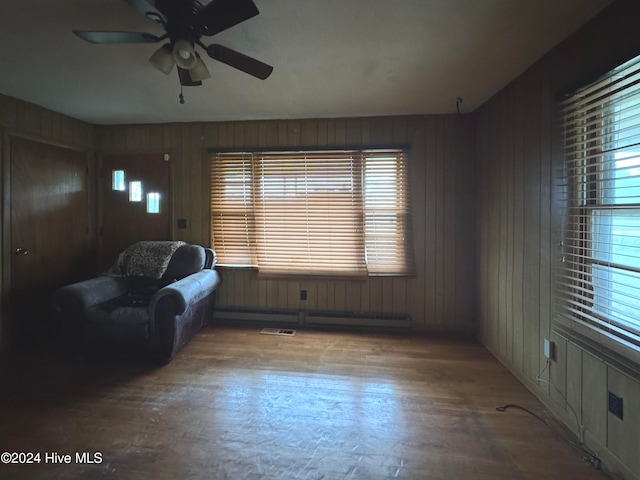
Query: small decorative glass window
[(135, 191), (117, 180), (153, 202)]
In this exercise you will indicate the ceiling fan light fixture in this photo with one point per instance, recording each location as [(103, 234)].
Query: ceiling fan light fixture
[(184, 54), (163, 60), (199, 71)]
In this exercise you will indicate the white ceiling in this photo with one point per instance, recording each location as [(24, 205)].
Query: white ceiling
[(331, 58)]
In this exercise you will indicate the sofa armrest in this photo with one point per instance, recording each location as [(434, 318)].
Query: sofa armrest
[(83, 295), (211, 258), (177, 311), (186, 292)]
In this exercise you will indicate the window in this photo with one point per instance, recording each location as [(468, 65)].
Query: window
[(600, 278), (312, 213), (117, 180), (135, 191), (153, 202)]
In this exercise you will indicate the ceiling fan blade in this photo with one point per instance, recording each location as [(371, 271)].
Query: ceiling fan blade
[(146, 7), (240, 61), (222, 14), (117, 37), (186, 80)]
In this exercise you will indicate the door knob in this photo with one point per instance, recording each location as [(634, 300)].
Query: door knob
[(21, 251)]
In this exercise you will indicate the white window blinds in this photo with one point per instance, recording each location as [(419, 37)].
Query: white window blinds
[(387, 216), (600, 274), (312, 213), (308, 214), (232, 209)]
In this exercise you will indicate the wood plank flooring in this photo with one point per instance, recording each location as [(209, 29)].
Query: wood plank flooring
[(235, 404)]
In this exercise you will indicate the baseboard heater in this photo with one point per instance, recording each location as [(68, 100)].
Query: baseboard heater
[(349, 319), (256, 315), (314, 318)]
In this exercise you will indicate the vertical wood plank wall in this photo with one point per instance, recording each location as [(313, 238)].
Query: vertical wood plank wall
[(25, 119), (438, 298), (518, 228), (22, 118)]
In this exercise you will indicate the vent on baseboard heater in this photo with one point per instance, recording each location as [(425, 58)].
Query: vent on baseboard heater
[(314, 318), (287, 332)]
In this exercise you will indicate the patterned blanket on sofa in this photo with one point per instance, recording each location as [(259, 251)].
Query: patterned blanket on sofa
[(146, 258)]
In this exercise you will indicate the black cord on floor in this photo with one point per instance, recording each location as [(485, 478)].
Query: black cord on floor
[(587, 455), (513, 405)]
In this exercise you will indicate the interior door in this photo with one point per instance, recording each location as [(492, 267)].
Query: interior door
[(49, 229), (128, 181)]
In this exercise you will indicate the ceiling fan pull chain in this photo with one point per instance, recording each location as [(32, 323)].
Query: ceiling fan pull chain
[(181, 96)]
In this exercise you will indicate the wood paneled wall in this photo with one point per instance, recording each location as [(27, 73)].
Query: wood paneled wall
[(438, 298), (18, 118), (518, 228), (22, 118)]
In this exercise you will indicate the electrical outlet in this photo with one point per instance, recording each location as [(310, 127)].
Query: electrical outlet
[(548, 349), (615, 405)]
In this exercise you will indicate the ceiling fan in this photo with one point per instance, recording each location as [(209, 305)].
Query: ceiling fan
[(185, 22)]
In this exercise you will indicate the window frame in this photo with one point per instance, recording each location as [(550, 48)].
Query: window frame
[(363, 212), (591, 128)]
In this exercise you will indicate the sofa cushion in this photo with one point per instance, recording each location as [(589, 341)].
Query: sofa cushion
[(123, 325), (186, 260), (113, 314)]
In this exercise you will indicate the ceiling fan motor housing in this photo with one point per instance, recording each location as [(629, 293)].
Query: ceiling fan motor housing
[(181, 20)]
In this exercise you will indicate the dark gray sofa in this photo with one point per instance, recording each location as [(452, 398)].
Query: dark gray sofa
[(146, 305)]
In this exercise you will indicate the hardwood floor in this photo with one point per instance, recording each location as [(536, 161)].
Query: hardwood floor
[(234, 404)]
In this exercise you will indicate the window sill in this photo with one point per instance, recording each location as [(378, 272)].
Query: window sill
[(313, 277), (621, 357)]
